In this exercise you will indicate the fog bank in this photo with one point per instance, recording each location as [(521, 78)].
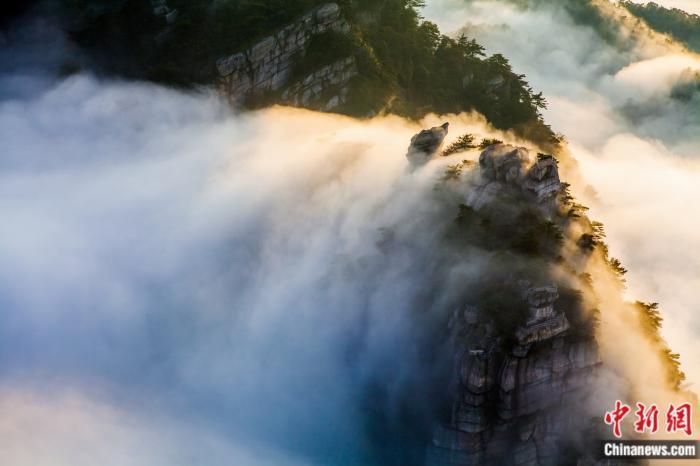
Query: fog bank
[(185, 285)]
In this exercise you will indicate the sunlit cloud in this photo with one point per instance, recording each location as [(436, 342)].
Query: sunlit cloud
[(657, 76), (209, 268)]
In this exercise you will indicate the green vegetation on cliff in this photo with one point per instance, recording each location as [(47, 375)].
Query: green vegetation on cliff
[(420, 70), (405, 65), (682, 26), (184, 52)]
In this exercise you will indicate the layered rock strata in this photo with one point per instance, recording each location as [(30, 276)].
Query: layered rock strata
[(505, 167), (515, 399), (268, 65)]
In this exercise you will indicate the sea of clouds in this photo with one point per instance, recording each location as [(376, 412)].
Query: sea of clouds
[(181, 284)]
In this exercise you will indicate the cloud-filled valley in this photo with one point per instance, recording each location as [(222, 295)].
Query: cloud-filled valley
[(200, 286), (170, 265)]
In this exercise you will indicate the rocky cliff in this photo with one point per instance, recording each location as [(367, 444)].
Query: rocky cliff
[(519, 388), (354, 57), (520, 405), (268, 65)]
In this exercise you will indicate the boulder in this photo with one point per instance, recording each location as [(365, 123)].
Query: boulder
[(505, 167), (425, 144), (505, 163)]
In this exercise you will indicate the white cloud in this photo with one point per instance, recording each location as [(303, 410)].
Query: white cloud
[(68, 428), (160, 247), (657, 76)]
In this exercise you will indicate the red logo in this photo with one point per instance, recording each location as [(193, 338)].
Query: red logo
[(678, 418), (616, 416), (647, 419)]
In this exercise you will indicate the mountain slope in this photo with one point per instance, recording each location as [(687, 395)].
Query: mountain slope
[(528, 383), (394, 61), (682, 26), (536, 277)]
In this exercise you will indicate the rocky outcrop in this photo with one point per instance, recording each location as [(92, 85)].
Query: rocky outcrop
[(544, 322), (425, 144), (516, 395), (325, 89), (506, 167), (267, 66), (513, 406)]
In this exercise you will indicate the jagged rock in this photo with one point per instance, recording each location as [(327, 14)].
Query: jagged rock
[(446, 437), (267, 65), (471, 419), (505, 163), (543, 330), (485, 194), (479, 372), (474, 399), (542, 296), (504, 166), (543, 177), (543, 322), (541, 303), (518, 393), (512, 406), (308, 91), (425, 144)]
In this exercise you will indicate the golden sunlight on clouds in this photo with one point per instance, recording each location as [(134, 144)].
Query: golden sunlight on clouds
[(645, 197), (657, 76)]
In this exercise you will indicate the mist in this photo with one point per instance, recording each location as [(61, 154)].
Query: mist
[(153, 241), (636, 145), (182, 284)]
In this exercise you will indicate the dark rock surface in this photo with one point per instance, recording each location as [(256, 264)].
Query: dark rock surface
[(425, 144), (504, 166), (267, 65), (516, 399), (514, 407)]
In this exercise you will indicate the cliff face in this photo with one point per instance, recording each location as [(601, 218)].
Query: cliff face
[(268, 65), (520, 406), (518, 393)]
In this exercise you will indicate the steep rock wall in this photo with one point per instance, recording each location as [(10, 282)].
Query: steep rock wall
[(267, 66), (512, 407), (324, 89), (514, 398)]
